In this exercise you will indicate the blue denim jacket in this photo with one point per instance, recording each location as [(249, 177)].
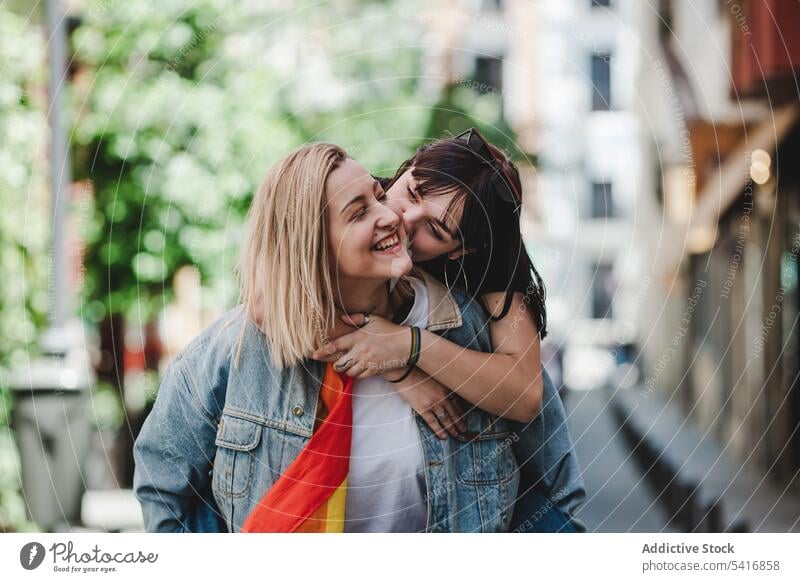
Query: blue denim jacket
[(543, 447), (219, 435)]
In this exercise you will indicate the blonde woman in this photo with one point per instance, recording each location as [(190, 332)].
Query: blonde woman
[(246, 422)]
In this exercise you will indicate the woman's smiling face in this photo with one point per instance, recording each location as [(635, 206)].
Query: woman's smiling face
[(367, 239), (431, 223)]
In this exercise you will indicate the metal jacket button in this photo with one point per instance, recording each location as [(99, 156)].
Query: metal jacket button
[(298, 410)]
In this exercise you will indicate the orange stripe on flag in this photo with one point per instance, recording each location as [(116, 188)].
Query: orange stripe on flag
[(310, 495)]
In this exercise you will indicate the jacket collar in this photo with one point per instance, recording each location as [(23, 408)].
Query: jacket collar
[(443, 311)]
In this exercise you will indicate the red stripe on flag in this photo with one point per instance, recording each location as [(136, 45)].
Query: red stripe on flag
[(316, 473)]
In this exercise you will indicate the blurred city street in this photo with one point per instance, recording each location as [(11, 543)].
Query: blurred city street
[(619, 498), (656, 146)]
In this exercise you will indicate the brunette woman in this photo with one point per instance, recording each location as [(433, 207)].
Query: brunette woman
[(460, 199)]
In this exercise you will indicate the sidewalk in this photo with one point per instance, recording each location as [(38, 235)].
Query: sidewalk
[(704, 486), (618, 498)]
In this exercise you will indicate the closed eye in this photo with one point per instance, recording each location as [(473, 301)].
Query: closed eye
[(434, 231)]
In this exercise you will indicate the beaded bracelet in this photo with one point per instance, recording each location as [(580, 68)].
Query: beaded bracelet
[(416, 338)]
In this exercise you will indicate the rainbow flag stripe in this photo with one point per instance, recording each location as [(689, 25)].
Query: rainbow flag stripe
[(309, 496)]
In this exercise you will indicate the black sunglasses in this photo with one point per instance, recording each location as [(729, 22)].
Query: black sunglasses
[(480, 148)]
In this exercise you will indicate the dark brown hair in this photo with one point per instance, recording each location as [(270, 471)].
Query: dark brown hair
[(489, 224)]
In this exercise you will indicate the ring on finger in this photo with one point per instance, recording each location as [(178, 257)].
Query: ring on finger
[(344, 365)]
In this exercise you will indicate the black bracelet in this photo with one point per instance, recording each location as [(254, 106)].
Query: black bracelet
[(403, 377), (416, 339), (413, 356)]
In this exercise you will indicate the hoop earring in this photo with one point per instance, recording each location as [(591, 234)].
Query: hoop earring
[(461, 273)]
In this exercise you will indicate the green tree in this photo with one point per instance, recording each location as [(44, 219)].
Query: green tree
[(461, 107), (183, 105), (24, 230), (155, 135)]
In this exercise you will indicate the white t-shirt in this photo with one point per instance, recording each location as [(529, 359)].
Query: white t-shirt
[(386, 483)]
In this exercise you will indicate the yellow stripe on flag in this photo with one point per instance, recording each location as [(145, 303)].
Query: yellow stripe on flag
[(335, 521)]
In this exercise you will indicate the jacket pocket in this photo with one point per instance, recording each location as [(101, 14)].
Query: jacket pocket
[(237, 438), (486, 458)]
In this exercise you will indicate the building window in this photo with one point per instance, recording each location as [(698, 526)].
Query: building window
[(488, 74), (605, 3), (602, 200), (665, 13), (492, 5), (602, 292), (601, 82)]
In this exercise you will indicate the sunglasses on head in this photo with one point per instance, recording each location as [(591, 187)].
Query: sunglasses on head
[(480, 148)]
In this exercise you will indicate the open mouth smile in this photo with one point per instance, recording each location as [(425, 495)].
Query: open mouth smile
[(387, 245)]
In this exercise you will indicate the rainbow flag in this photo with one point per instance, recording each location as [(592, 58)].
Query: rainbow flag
[(309, 496)]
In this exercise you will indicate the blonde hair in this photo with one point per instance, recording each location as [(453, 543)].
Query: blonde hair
[(284, 268)]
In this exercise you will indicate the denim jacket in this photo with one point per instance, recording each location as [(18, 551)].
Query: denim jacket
[(543, 447), (220, 435)]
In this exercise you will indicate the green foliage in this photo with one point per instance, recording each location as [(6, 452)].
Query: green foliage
[(461, 107), (12, 506), (24, 232), (184, 105), (147, 139), (106, 409)]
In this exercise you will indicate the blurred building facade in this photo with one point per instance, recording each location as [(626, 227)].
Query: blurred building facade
[(566, 71), (719, 92), (659, 213), (589, 174)]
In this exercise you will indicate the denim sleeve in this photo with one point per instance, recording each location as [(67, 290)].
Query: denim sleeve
[(544, 449), (546, 456), (173, 456)]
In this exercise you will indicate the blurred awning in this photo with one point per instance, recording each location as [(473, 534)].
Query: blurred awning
[(724, 187)]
